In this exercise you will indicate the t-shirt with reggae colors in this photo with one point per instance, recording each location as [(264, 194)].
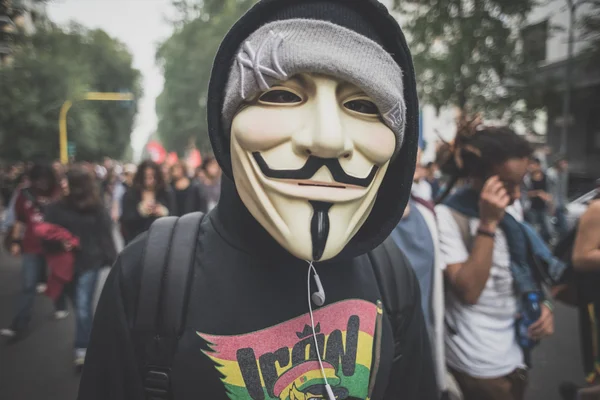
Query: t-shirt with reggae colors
[(280, 361)]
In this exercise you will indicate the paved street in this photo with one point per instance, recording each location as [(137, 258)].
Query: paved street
[(40, 367)]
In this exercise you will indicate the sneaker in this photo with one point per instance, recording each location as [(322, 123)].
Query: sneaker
[(79, 357), (41, 288), (61, 314), (8, 333)]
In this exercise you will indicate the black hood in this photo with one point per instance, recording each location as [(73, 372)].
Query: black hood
[(370, 18)]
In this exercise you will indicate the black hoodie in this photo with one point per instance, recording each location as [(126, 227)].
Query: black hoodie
[(247, 329)]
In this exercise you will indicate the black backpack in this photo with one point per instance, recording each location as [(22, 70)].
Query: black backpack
[(168, 262)]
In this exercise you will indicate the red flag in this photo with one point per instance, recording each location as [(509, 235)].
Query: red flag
[(157, 152), (194, 159), (172, 158)]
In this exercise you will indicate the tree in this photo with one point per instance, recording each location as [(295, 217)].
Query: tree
[(467, 53), (186, 60), (57, 64)]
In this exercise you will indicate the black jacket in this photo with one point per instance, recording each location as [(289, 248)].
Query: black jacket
[(248, 313), (192, 199), (94, 230), (134, 224)]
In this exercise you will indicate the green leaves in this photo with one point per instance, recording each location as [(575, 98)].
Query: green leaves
[(186, 59), (466, 50), (56, 65)]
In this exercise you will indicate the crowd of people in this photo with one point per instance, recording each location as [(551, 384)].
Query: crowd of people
[(464, 243), (490, 182), (61, 220)]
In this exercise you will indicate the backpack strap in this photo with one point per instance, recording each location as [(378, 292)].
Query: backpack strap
[(386, 259), (168, 262), (464, 227)]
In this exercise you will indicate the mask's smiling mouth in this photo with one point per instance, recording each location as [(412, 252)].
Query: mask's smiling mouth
[(310, 168), (307, 184)]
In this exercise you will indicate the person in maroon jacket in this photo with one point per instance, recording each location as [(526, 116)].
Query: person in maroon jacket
[(29, 208)]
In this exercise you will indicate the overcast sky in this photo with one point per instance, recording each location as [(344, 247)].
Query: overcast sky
[(141, 25)]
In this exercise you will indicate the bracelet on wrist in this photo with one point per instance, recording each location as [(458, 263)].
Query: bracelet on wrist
[(549, 304), (484, 232)]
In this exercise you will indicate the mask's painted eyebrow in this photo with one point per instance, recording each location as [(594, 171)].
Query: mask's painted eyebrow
[(349, 89), (297, 79)]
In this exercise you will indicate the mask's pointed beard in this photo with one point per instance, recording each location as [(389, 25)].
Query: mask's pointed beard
[(319, 227)]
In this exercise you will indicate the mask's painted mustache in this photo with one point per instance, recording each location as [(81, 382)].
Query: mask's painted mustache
[(313, 164)]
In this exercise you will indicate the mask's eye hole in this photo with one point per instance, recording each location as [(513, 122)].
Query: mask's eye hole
[(279, 96), (362, 106)]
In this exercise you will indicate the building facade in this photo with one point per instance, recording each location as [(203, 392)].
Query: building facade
[(546, 40)]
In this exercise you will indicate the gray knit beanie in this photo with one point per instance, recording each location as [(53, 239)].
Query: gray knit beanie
[(281, 49)]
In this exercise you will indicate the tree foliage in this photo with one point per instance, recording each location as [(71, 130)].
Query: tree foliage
[(186, 60), (467, 53), (56, 64)]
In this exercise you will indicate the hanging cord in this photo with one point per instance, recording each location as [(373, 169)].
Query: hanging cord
[(311, 268)]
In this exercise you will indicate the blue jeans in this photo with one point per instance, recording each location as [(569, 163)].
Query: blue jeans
[(85, 287), (540, 219), (33, 267)]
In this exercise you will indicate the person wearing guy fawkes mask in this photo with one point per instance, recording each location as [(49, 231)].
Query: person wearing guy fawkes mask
[(313, 118)]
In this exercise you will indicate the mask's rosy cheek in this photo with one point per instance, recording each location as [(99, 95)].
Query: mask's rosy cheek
[(261, 128), (375, 140)]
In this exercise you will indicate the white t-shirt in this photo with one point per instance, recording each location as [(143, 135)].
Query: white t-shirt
[(422, 190), (485, 344)]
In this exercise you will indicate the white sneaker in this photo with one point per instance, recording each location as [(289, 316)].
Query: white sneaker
[(61, 314), (41, 288), (79, 357), (9, 333)]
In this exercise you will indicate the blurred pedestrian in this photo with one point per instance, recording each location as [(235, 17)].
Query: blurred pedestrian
[(121, 187), (10, 181), (83, 214), (30, 206), (148, 199), (210, 183), (585, 255), (187, 192), (540, 199), (421, 187), (107, 188), (487, 268), (417, 236), (558, 177), (433, 177), (9, 217)]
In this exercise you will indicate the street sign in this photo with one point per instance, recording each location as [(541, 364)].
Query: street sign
[(126, 103), (62, 119)]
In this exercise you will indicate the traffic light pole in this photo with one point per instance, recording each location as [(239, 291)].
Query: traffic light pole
[(91, 96)]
